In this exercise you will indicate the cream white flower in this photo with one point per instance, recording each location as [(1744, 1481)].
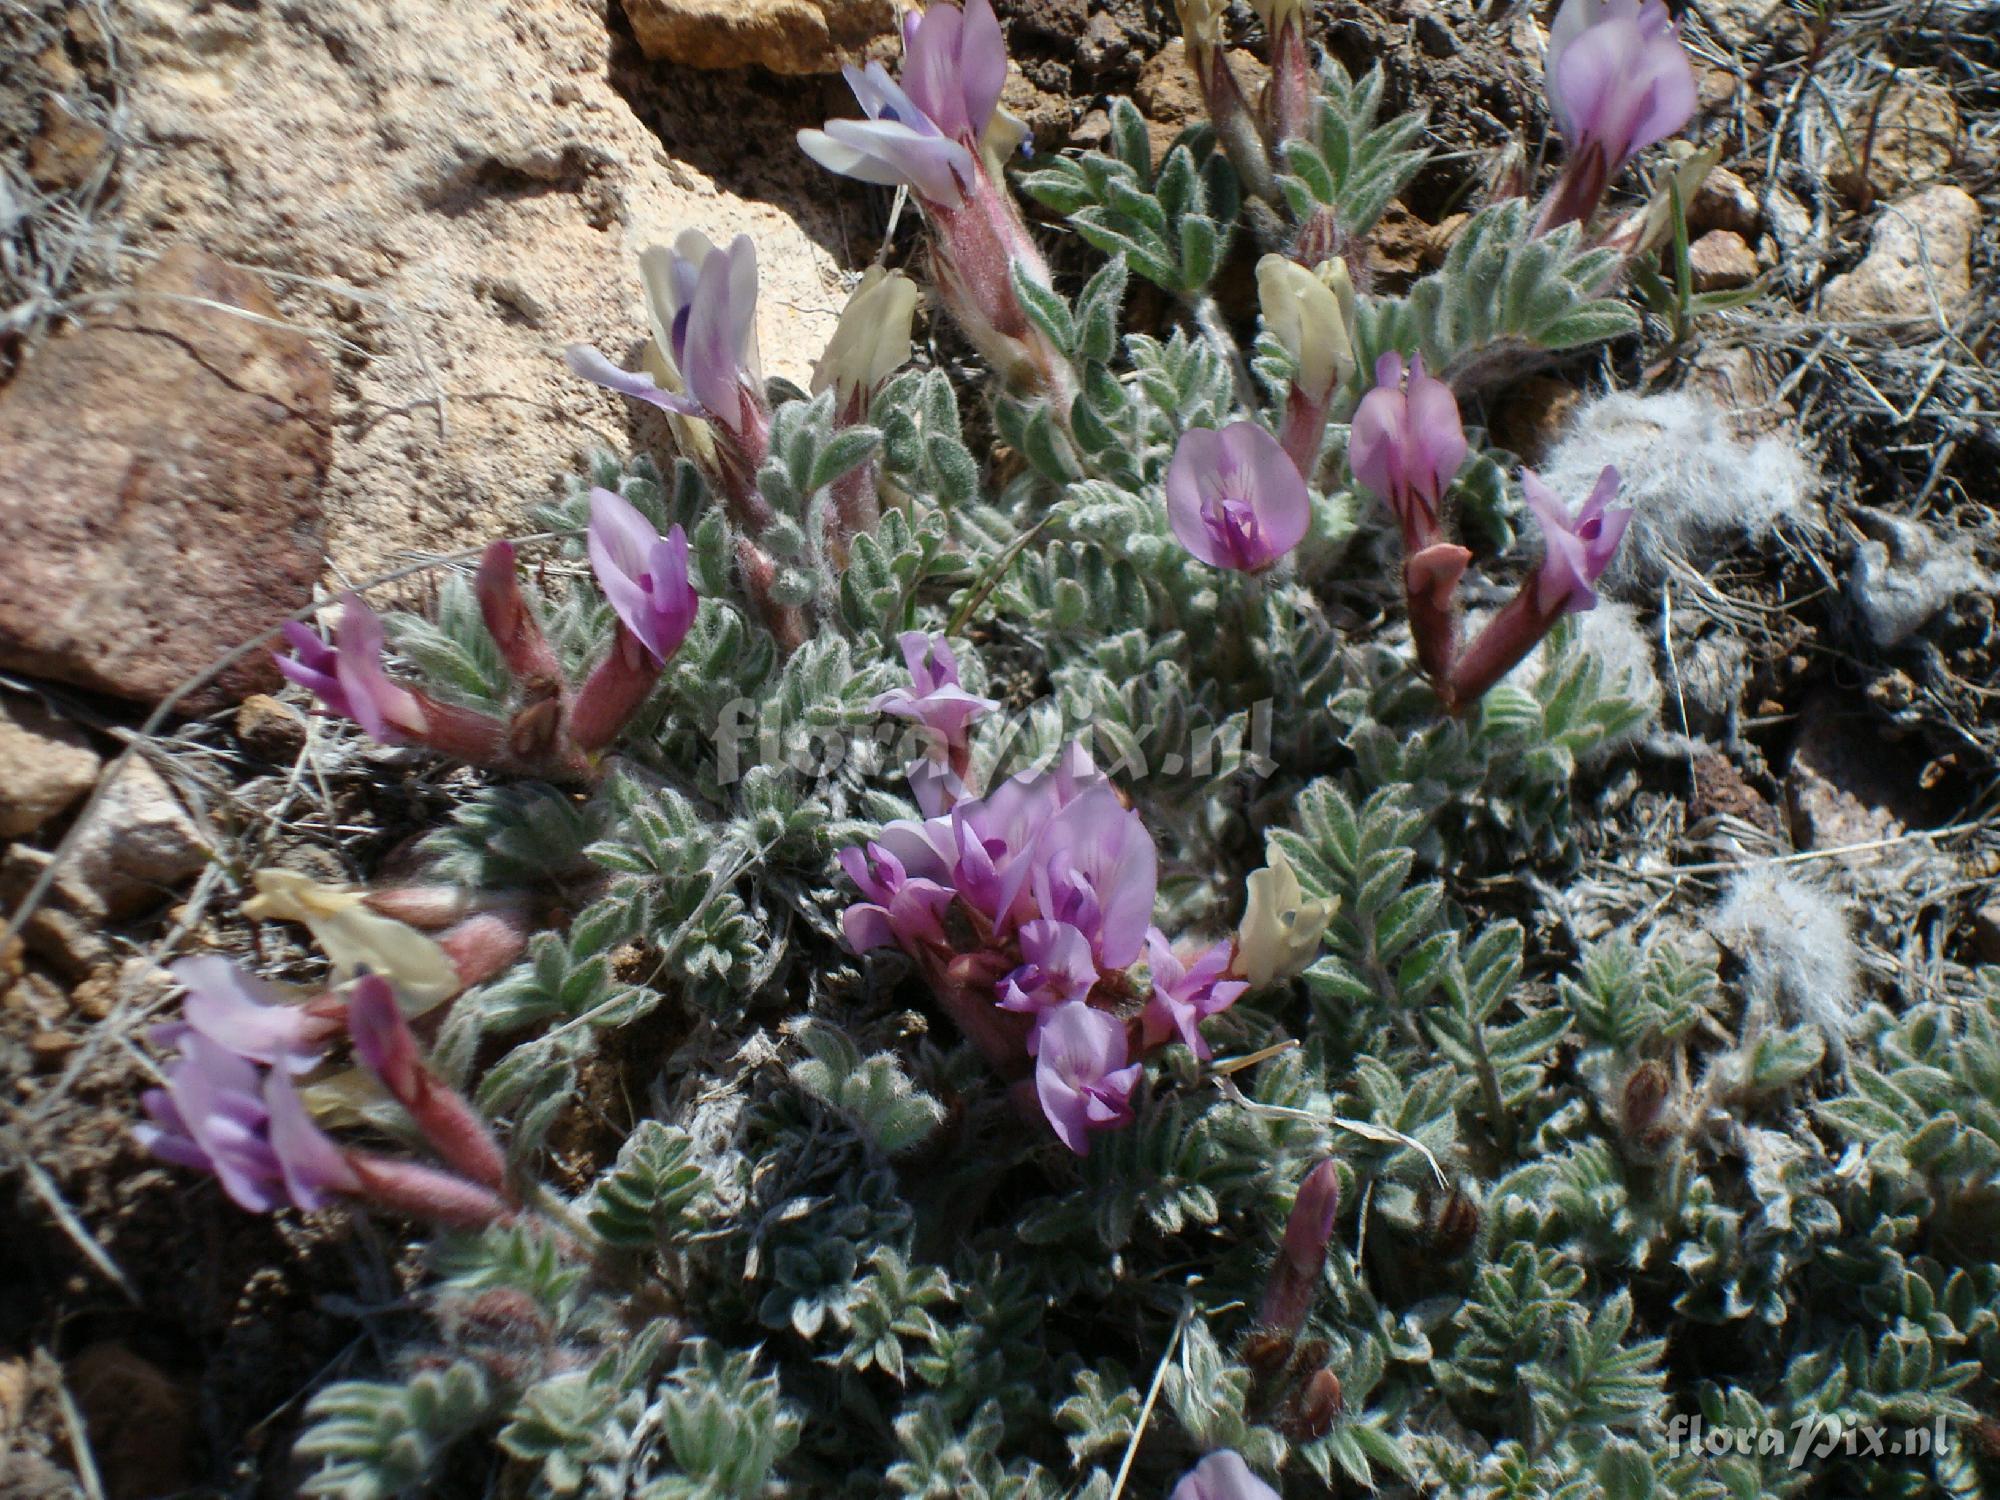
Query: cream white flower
[(872, 340), (1201, 21), (355, 938), (1310, 313), (1282, 926)]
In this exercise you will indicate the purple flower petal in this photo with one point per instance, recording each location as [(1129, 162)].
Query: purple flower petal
[(644, 576), (1223, 1475), (1405, 445), (1576, 552), (594, 367), (954, 67), (1081, 1076), (1185, 995), (1055, 967), (898, 143), (1234, 498), (310, 1165), (390, 713), (1095, 867), (718, 351), (247, 1016), (1618, 78)]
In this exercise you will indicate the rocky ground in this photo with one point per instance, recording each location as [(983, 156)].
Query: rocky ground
[(283, 291)]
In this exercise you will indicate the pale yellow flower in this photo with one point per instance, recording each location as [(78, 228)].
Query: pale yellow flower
[(355, 938), (1310, 313), (1282, 926), (872, 340)]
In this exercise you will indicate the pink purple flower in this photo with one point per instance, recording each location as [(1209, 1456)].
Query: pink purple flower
[(1081, 1076), (923, 133), (348, 678), (981, 847), (1578, 549), (954, 66), (1407, 443), (643, 574), (1095, 867), (246, 1016), (899, 912), (704, 304), (1235, 498), (1618, 78), (898, 145), (934, 697), (1055, 967), (1186, 994), (1222, 1476), (715, 333), (221, 1113)]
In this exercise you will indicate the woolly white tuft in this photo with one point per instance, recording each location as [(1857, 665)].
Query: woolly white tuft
[(1798, 957)]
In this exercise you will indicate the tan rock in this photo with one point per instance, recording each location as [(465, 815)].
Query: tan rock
[(136, 845), (159, 484), (1844, 785), (274, 730), (68, 147), (1743, 385), (1720, 260), (1723, 201), (1749, 25), (1893, 139), (405, 154), (67, 928), (1919, 260), (786, 36), (45, 765), (1046, 116), (1170, 99), (14, 1388)]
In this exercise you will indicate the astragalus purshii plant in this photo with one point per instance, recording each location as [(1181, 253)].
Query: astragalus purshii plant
[(973, 973)]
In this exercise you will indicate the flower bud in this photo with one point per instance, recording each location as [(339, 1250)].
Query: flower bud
[(1282, 926), (1645, 1116), (422, 1192), (484, 944), (1455, 1225), (510, 619), (1295, 1274), (1318, 1407), (451, 1126)]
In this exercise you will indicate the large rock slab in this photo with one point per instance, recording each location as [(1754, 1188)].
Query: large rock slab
[(448, 192), (786, 36), (159, 486)]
